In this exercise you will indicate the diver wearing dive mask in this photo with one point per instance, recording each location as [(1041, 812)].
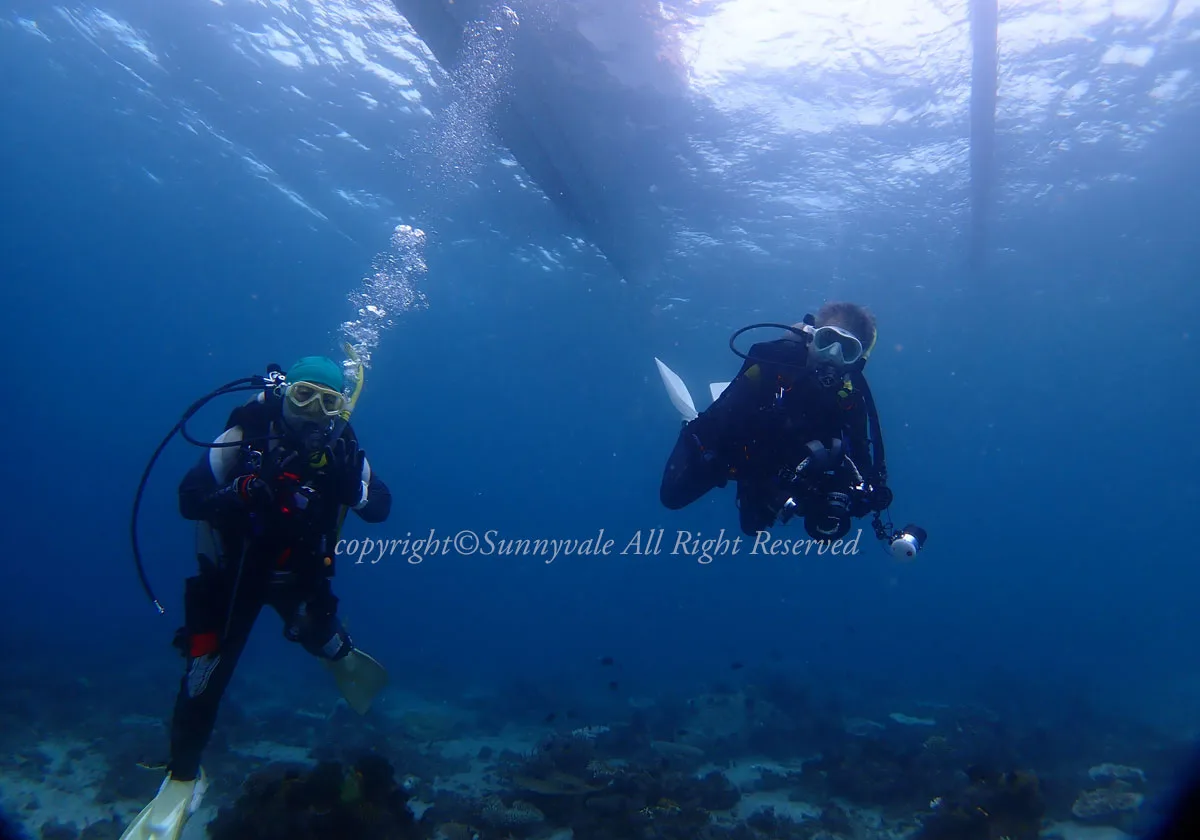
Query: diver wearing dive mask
[(835, 346), (310, 412), (794, 398), (269, 499), (831, 352)]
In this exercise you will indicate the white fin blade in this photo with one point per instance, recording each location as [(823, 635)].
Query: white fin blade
[(677, 391)]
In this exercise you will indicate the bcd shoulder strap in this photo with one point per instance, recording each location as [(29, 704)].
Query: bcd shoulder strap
[(874, 430)]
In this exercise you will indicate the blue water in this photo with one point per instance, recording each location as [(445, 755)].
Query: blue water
[(181, 208)]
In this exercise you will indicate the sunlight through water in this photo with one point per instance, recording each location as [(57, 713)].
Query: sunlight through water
[(840, 111), (811, 130)]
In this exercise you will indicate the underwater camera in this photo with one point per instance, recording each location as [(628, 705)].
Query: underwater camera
[(829, 519), (826, 509), (827, 516)]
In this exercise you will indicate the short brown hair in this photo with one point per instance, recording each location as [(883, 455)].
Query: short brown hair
[(851, 317)]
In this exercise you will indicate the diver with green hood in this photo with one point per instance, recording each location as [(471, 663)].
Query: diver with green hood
[(269, 498)]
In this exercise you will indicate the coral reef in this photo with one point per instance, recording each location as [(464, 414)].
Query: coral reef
[(1116, 772), (776, 759), (993, 805), (1106, 803), (357, 802), (520, 814)]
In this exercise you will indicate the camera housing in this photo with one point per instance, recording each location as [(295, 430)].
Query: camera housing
[(829, 519)]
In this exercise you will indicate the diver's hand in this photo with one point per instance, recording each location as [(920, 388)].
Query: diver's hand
[(879, 498), (254, 492), (860, 502), (869, 500), (249, 492), (347, 461), (281, 466)]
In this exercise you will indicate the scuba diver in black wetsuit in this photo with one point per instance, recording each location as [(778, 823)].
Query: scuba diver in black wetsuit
[(269, 498), (797, 432)]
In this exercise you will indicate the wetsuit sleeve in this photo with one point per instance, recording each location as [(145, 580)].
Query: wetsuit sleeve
[(704, 449), (376, 504), (200, 491)]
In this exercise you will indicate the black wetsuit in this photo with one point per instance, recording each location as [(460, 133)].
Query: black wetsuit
[(761, 425), (278, 552)]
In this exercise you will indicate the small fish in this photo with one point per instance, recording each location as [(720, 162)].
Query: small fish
[(607, 660), (152, 765), (613, 686), (550, 717), (737, 666)]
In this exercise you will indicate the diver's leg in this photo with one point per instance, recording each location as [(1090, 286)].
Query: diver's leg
[(213, 640), (309, 613), (689, 473), (754, 512)]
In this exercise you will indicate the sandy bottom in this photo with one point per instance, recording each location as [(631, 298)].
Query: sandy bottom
[(67, 793), (1075, 831)]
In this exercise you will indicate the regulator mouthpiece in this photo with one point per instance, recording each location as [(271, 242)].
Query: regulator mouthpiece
[(314, 439)]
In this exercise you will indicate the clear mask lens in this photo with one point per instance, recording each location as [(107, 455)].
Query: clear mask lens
[(837, 345), (315, 400)]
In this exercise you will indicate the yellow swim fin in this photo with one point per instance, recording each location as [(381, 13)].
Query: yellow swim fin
[(166, 815), (359, 678)]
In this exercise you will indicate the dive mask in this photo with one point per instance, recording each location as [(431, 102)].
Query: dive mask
[(312, 400), (835, 346)]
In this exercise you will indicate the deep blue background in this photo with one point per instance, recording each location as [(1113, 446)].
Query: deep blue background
[(1040, 420)]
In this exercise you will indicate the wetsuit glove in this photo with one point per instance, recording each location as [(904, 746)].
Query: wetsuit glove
[(249, 492), (880, 498), (348, 462)]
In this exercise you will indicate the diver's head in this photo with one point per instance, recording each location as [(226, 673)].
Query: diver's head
[(313, 400), (843, 336)]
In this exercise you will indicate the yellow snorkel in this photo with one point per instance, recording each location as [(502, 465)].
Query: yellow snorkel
[(867, 353), (352, 397)]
